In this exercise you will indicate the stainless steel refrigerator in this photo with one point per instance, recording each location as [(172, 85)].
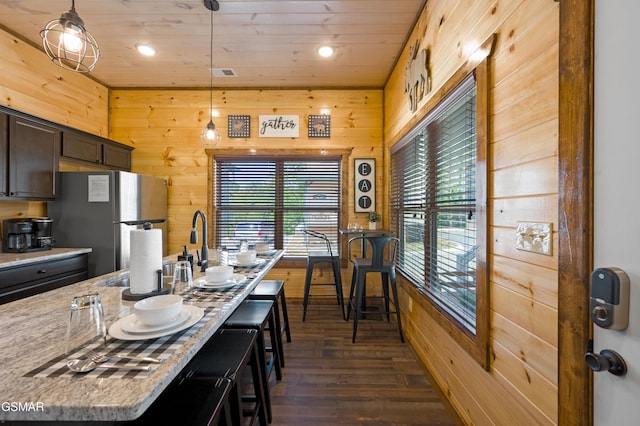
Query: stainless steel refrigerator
[(99, 210)]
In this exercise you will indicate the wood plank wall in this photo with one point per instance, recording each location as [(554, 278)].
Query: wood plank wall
[(521, 386), (164, 127), (32, 84)]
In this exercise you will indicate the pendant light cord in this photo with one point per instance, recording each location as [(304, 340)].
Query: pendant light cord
[(211, 72)]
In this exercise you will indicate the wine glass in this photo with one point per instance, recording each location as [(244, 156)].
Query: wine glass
[(86, 323)]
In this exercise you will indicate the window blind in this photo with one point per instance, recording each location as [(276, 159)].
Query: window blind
[(273, 199), (433, 204)]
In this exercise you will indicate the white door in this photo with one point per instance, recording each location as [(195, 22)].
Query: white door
[(617, 196)]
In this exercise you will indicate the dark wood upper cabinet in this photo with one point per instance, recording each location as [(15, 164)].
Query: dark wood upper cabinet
[(31, 147), (80, 147), (95, 150), (32, 159)]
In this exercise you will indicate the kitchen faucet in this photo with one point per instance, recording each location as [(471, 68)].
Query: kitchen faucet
[(204, 259)]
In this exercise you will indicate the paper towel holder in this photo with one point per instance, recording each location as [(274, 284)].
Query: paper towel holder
[(160, 289)]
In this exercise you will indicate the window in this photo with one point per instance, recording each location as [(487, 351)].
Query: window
[(434, 204), (438, 209), (273, 199)]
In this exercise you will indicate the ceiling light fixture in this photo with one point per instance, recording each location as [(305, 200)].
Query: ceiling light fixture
[(210, 136), (69, 44), (145, 49), (325, 51)]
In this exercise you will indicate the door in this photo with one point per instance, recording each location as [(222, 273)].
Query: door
[(617, 197)]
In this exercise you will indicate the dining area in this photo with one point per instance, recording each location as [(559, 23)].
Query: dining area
[(48, 380)]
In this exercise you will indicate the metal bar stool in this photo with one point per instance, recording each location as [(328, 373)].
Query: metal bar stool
[(321, 253), (376, 262), (274, 290), (258, 315), (226, 355)]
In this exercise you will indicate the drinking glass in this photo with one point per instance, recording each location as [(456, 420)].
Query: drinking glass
[(182, 276), (86, 323), (244, 245)]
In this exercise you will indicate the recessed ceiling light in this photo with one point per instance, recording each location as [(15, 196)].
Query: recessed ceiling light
[(325, 51), (145, 49)]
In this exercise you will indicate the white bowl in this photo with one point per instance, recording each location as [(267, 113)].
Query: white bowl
[(246, 257), (158, 310), (219, 274), (262, 247)]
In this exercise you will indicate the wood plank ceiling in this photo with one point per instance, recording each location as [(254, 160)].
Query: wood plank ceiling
[(267, 43)]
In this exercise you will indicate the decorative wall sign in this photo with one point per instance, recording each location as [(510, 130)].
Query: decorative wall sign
[(365, 184), (417, 80), (279, 126), (239, 126), (319, 126)]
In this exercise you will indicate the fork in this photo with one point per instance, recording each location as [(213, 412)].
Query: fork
[(99, 358)]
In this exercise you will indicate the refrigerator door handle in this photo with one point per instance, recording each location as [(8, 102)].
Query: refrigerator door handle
[(141, 222)]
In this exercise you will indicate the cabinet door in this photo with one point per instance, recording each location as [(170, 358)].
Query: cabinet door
[(33, 159), (116, 156), (4, 150), (81, 147)]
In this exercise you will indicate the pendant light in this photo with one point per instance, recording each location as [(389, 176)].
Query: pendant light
[(210, 136), (69, 44)]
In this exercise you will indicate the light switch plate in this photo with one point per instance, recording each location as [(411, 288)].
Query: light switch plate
[(534, 237)]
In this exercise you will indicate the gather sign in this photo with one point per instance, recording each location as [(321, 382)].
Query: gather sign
[(279, 126)]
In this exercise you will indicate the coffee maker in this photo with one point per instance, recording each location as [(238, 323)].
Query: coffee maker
[(22, 235)]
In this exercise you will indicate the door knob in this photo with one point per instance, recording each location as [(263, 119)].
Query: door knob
[(608, 360)]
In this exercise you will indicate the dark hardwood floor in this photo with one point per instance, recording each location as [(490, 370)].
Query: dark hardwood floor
[(327, 380)]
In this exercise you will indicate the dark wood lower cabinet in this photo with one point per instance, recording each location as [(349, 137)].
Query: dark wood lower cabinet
[(23, 281)]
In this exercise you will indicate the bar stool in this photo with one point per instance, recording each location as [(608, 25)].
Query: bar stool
[(375, 262), (197, 402), (274, 290), (319, 251), (226, 355), (258, 315)]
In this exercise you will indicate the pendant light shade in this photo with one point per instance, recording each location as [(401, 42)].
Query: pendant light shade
[(210, 136), (69, 44)]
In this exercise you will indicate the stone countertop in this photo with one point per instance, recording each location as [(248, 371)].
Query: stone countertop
[(10, 260), (33, 332)]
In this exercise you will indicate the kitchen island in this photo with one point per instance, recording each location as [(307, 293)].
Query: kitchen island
[(34, 387)]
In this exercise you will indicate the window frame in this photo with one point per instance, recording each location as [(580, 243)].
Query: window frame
[(477, 345), (294, 155)]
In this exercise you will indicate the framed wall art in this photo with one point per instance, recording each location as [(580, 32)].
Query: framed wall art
[(365, 184), (239, 126), (319, 126)]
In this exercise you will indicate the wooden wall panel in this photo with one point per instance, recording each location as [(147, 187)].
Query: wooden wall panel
[(164, 126), (32, 84), (521, 385)]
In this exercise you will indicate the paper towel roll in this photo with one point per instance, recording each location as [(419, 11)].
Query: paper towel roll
[(146, 259)]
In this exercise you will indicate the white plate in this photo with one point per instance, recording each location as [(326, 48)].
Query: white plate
[(257, 262), (234, 280), (195, 314), (132, 325)]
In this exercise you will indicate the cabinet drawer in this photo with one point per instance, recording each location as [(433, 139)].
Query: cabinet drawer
[(23, 281)]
